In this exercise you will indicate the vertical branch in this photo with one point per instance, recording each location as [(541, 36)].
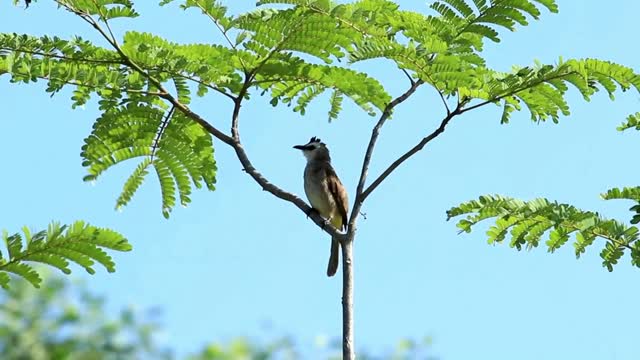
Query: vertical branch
[(347, 240), (348, 346), (411, 152), (357, 205)]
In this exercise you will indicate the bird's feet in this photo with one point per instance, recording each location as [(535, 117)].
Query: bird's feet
[(315, 211)]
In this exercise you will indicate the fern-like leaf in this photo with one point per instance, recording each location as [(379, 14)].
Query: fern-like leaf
[(542, 89), (180, 150), (526, 222), (462, 17), (133, 183), (291, 79), (628, 193), (335, 105), (57, 246), (632, 122), (212, 8)]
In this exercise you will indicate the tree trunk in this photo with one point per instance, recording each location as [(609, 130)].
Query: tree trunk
[(348, 347)]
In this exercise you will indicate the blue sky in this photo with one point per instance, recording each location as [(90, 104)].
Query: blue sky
[(237, 258)]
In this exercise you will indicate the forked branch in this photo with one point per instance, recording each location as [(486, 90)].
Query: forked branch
[(459, 110), (260, 179), (357, 204), (233, 141), (348, 346), (410, 153)]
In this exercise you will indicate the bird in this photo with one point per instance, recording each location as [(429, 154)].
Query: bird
[(325, 192)]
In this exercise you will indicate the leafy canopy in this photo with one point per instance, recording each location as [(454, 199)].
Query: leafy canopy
[(292, 51)]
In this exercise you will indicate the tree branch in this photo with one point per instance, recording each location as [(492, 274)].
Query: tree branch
[(282, 194), (66, 58), (513, 92), (200, 82), (233, 141), (164, 94), (224, 33), (458, 111), (163, 127), (260, 179), (444, 101), (410, 153), (117, 62), (411, 81), (348, 346), (104, 19), (92, 87), (372, 143), (217, 24)]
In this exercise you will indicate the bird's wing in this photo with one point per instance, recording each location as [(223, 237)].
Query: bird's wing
[(339, 194)]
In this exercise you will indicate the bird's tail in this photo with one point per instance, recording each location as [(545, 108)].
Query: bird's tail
[(334, 258)]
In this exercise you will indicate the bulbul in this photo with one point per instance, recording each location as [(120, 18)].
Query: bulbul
[(325, 192)]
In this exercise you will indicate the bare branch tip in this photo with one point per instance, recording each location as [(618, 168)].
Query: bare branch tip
[(409, 77)]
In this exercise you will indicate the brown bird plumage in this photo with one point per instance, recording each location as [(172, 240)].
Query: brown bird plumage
[(325, 192)]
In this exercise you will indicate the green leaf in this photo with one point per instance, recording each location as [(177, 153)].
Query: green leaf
[(628, 193), (133, 183), (179, 149), (57, 246), (336, 105), (23, 270), (633, 121), (527, 222)]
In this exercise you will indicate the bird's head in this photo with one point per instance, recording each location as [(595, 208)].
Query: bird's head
[(315, 149)]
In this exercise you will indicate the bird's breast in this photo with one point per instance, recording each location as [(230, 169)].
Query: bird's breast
[(315, 187)]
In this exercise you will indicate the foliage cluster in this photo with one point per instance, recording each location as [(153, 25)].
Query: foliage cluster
[(57, 246), (292, 51)]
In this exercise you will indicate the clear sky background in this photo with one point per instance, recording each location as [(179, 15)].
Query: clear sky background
[(238, 258)]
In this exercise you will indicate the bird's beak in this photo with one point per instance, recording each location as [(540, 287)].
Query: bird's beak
[(299, 147)]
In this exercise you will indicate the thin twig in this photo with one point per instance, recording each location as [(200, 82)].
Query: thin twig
[(62, 57), (229, 140), (408, 76), (217, 24), (163, 126), (224, 34), (440, 93), (118, 62), (198, 81), (164, 94), (104, 19), (513, 92), (444, 101), (96, 88), (235, 116), (409, 153), (357, 205), (348, 339), (458, 111), (260, 179)]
